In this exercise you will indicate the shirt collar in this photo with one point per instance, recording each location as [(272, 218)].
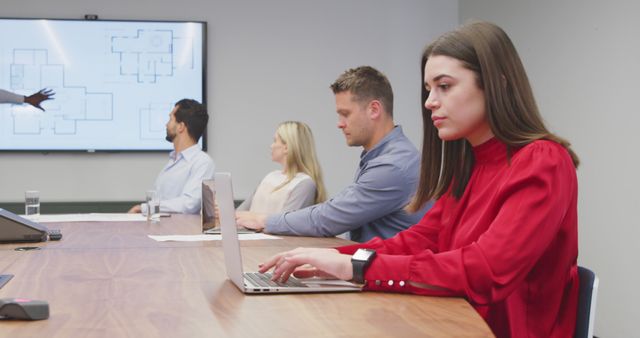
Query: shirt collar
[(187, 154), (492, 150), (378, 148)]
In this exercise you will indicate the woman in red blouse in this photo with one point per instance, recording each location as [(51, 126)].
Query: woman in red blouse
[(503, 231)]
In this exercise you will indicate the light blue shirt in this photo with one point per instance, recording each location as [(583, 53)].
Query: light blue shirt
[(372, 206), (179, 184)]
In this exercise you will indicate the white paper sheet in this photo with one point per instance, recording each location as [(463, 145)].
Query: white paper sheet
[(197, 238), (93, 217)]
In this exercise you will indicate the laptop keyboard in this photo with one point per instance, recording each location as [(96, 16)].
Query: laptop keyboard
[(264, 280)]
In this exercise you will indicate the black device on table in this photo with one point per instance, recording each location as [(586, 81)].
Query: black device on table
[(14, 228), (24, 309)]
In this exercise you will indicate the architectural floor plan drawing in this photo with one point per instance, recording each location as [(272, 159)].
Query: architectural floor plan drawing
[(30, 69), (110, 78)]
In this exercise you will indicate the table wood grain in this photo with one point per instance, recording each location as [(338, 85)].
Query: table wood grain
[(109, 279)]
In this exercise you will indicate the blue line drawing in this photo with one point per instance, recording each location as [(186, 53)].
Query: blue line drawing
[(114, 85), (30, 70)]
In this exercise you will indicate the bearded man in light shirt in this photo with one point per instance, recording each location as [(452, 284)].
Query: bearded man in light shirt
[(179, 184)]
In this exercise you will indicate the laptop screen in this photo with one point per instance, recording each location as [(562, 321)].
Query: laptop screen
[(230, 242), (208, 205)]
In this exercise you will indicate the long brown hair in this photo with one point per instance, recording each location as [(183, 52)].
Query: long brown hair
[(511, 110)]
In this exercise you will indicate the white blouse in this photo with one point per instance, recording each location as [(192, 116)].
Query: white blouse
[(9, 97), (297, 194)]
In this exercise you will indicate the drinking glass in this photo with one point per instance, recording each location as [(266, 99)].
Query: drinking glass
[(153, 205), (32, 203)]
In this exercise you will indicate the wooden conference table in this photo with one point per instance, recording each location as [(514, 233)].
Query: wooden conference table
[(109, 279)]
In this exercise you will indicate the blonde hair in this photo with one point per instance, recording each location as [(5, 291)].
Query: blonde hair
[(301, 155)]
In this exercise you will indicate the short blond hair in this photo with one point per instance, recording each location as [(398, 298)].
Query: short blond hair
[(366, 83)]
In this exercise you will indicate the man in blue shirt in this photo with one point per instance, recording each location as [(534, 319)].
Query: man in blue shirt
[(386, 179), (179, 184)]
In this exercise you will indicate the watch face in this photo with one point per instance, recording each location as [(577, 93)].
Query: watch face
[(362, 254)]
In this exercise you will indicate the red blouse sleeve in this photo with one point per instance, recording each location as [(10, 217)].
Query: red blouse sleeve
[(531, 203)]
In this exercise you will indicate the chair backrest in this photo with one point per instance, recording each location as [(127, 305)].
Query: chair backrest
[(586, 303)]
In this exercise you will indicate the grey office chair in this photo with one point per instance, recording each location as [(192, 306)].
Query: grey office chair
[(586, 303)]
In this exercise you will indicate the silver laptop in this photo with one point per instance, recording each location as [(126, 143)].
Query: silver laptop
[(208, 210), (254, 282)]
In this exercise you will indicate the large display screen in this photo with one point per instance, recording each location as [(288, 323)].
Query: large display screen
[(115, 82)]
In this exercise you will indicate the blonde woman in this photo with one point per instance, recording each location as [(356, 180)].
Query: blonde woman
[(299, 183)]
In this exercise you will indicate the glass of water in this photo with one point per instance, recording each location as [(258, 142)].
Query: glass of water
[(32, 203), (153, 205)]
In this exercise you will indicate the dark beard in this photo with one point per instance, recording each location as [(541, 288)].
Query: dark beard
[(169, 137)]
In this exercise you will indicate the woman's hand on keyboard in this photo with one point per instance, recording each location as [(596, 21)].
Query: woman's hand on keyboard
[(309, 262)]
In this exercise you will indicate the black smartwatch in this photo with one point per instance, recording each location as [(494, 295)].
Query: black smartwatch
[(360, 262)]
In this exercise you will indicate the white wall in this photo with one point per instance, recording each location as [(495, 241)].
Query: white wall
[(268, 61), (583, 59)]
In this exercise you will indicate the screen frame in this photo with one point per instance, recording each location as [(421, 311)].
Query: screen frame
[(92, 18)]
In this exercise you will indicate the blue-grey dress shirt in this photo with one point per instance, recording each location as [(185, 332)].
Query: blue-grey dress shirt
[(372, 206)]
